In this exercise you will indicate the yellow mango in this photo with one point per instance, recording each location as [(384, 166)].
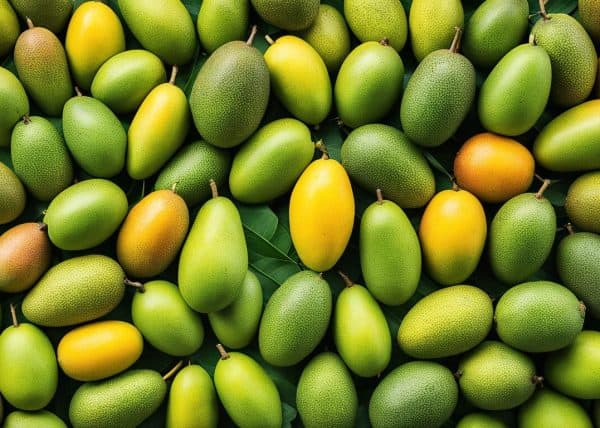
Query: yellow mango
[(94, 35), (99, 350), (452, 233), (322, 214)]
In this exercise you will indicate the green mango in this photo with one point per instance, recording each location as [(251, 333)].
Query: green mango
[(165, 320), (222, 21), (291, 15), (329, 36), (589, 13), (214, 258), (325, 379), (125, 79), (95, 136), (15, 104), (85, 214), (190, 170), (369, 83), (12, 195), (551, 409), (573, 57), (10, 28), (583, 202), (270, 162), (578, 265), (163, 27), (575, 370), (40, 158), (39, 419), (58, 299), (481, 420), (495, 28), (521, 237), (569, 142), (247, 392), (223, 117), (379, 156), (432, 26), (192, 400), (539, 316), (374, 20), (295, 319), (51, 14), (516, 92), (361, 332), (447, 322), (236, 325), (418, 394), (123, 401), (386, 232)]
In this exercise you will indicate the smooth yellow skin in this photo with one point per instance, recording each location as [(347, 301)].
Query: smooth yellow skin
[(452, 233), (300, 79), (99, 350), (94, 35), (322, 214)]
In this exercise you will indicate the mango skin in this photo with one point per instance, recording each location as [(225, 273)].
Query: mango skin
[(321, 214), (52, 15), (481, 420), (575, 370), (94, 35), (247, 392), (515, 93), (270, 162), (25, 254), (299, 79), (589, 12), (165, 320), (12, 195), (192, 400), (11, 29), (373, 20), (214, 258), (385, 233), (41, 418), (551, 409), (288, 15), (453, 230), (99, 350), (125, 79), (29, 379), (85, 214), (368, 84), (94, 136), (15, 105), (568, 142), (582, 202), (446, 322), (152, 234), (222, 21)]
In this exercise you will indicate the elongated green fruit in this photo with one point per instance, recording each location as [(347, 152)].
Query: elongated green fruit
[(192, 400)]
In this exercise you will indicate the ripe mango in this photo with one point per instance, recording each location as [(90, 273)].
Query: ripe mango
[(222, 21), (548, 408), (152, 234), (321, 214), (583, 202), (12, 195), (94, 35), (85, 214), (446, 322), (165, 320), (270, 162), (374, 20), (453, 230), (51, 14), (10, 26), (291, 15), (41, 418), (15, 105), (299, 79), (25, 254), (99, 350)]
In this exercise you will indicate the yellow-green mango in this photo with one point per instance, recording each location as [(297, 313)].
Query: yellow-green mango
[(481, 420), (12, 195), (94, 35), (299, 79), (222, 21), (15, 104), (432, 25), (157, 130), (270, 162), (193, 400), (375, 20), (10, 28), (368, 84), (85, 214), (39, 419), (548, 408), (569, 142), (291, 15), (51, 14), (214, 258), (589, 12), (124, 80)]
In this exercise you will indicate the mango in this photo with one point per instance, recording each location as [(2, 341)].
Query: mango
[(10, 24), (289, 15), (12, 195), (270, 162), (15, 105), (51, 14), (299, 79), (582, 202), (374, 20), (41, 418), (85, 214), (321, 214), (99, 350), (589, 13), (453, 230), (481, 420), (551, 409), (222, 21)]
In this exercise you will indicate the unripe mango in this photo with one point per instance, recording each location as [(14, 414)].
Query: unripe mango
[(291, 15), (15, 105), (12, 195), (582, 202), (548, 408), (374, 20), (222, 21), (481, 420), (10, 25), (41, 418), (193, 400)]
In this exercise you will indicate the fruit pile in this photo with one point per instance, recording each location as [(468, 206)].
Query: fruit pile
[(356, 213)]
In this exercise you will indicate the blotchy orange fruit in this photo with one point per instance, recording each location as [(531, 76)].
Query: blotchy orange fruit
[(494, 168)]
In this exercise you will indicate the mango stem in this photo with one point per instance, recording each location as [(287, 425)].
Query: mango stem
[(174, 187), (323, 148), (222, 352), (346, 279), (455, 46), (138, 285), (78, 91), (379, 196), (26, 120), (569, 228), (253, 32), (542, 4), (269, 40), (29, 23), (582, 309), (538, 380), (384, 42), (171, 372), (42, 226), (455, 185), (545, 185), (13, 314), (213, 188), (174, 71), (532, 39)]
